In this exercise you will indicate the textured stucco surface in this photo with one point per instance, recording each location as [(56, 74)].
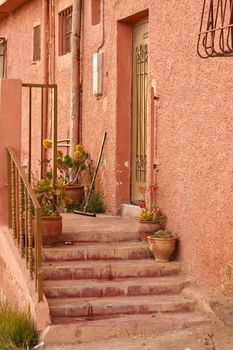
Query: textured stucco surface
[(193, 128), (17, 28), (15, 283), (10, 134), (193, 122)]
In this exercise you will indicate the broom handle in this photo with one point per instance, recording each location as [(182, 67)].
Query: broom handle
[(95, 173)]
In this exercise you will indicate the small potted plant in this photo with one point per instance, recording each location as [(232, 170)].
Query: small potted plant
[(150, 221), (162, 245), (70, 170), (52, 202)]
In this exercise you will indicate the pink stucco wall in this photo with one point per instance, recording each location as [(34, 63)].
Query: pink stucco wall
[(193, 128), (16, 285), (17, 28), (192, 123), (10, 134)]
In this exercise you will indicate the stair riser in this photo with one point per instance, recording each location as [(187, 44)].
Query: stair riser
[(109, 272), (94, 254), (88, 311), (104, 237), (111, 291)]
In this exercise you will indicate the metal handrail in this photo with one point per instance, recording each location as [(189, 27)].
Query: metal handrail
[(44, 91), (22, 202)]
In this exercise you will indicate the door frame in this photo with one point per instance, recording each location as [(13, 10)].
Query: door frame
[(124, 108)]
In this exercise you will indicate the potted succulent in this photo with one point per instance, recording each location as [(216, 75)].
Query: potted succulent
[(150, 221), (70, 170), (52, 201), (162, 245)]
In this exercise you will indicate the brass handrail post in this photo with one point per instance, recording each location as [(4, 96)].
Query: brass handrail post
[(30, 254), (38, 269), (21, 198), (9, 189), (22, 209), (21, 231), (26, 225), (13, 202), (30, 135), (54, 137), (17, 176), (44, 88), (42, 152)]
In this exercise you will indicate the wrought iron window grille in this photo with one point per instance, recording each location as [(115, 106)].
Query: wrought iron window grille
[(65, 31), (215, 38), (3, 44)]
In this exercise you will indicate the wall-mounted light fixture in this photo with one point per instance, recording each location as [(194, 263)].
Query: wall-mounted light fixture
[(97, 73)]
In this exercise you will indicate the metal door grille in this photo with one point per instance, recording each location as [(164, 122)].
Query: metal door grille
[(141, 53)]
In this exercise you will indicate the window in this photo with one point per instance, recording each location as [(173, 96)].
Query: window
[(36, 43), (96, 12), (65, 31), (2, 58), (215, 36)]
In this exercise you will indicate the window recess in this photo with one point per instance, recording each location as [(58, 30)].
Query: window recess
[(36, 43), (65, 31), (3, 47), (215, 37)]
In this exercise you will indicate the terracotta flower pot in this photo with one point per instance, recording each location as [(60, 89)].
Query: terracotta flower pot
[(51, 229), (162, 248), (146, 228), (75, 192)]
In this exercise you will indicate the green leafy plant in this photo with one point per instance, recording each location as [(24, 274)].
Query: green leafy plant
[(17, 329), (52, 200), (162, 234), (153, 215), (95, 205), (70, 168)]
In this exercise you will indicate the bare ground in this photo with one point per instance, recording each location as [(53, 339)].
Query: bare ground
[(185, 339)]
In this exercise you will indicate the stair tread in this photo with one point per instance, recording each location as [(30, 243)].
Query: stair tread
[(156, 318), (99, 245), (121, 300), (101, 223), (97, 251), (123, 281), (93, 263), (80, 330)]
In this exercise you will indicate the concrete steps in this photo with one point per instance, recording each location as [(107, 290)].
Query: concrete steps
[(117, 287), (111, 306), (100, 236), (106, 283), (75, 330), (97, 251), (103, 228), (111, 269)]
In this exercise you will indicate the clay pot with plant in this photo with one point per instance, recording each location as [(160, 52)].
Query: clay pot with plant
[(150, 221), (71, 170), (162, 245), (52, 202)]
